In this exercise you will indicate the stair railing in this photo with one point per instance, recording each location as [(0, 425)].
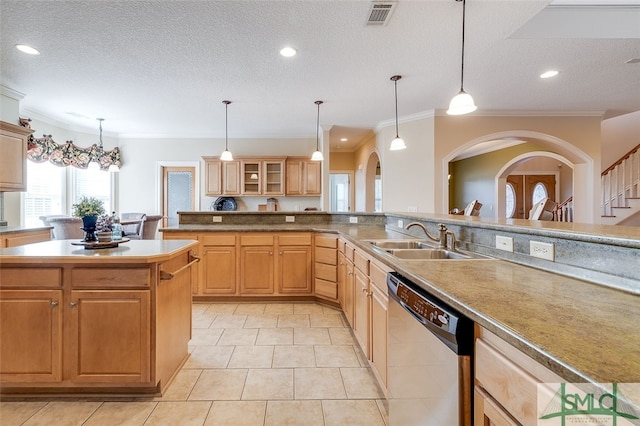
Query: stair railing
[(564, 211), (620, 182)]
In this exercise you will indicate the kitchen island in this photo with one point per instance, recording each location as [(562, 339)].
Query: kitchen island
[(113, 321)]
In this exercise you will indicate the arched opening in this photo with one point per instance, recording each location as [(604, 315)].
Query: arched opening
[(373, 183), (548, 146)]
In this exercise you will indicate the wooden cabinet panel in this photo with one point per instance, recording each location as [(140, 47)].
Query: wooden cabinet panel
[(109, 336), (215, 239), (256, 270), (294, 269), (312, 177), (379, 320), (110, 277), (326, 255), (219, 270), (37, 277), (13, 157), (342, 278), (294, 184), (361, 311), (22, 238), (197, 270), (304, 177), (326, 289), (326, 272), (31, 336), (221, 177), (231, 178), (488, 413), (273, 172), (251, 177), (264, 239), (349, 292), (295, 239), (327, 240), (213, 177)]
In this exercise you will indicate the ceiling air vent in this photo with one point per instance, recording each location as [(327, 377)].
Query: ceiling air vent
[(380, 12)]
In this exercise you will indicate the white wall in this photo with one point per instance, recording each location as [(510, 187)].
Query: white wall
[(619, 135)]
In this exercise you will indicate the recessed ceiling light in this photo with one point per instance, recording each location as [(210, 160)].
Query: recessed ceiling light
[(343, 139), (288, 52), (549, 74), (27, 49)]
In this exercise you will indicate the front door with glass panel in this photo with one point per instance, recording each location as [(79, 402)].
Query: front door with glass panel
[(178, 192), (524, 191)]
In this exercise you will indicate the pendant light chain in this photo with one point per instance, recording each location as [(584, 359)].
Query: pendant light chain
[(464, 3), (395, 83), (226, 125), (397, 144), (317, 155)]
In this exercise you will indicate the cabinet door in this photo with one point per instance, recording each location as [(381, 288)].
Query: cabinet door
[(219, 270), (231, 178), (361, 311), (294, 269), (273, 172), (256, 270), (197, 271), (13, 155), (379, 318), (109, 336), (342, 278), (488, 412), (251, 177), (349, 292), (213, 177), (312, 178), (31, 336), (294, 177)]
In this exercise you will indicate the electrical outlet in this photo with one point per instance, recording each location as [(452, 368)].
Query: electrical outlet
[(400, 224), (412, 209), (542, 250), (353, 219), (217, 219), (289, 218), (504, 243)]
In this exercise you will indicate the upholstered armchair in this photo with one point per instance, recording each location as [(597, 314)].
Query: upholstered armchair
[(66, 228), (132, 225), (150, 227)]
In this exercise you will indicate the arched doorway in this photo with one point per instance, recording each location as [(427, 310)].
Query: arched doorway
[(373, 183)]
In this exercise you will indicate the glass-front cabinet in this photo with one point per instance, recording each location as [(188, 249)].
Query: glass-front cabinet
[(264, 176)]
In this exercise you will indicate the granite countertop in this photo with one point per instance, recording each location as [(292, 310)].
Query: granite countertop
[(14, 229), (579, 330), (62, 251)]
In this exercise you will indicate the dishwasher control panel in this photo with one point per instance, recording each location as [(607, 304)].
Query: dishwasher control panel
[(424, 308)]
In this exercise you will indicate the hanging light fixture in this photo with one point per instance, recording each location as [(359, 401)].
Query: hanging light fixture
[(226, 154), (94, 164), (397, 144), (462, 103), (317, 155), (113, 167)]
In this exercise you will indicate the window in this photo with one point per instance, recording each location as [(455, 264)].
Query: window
[(52, 190), (511, 200), (539, 193)]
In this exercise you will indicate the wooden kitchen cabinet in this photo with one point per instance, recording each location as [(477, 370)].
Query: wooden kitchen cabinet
[(304, 177), (348, 285), (379, 320), (197, 270), (13, 157), (31, 335), (295, 263), (221, 177), (219, 264), (18, 238), (362, 310), (263, 176), (256, 269), (109, 336), (326, 266)]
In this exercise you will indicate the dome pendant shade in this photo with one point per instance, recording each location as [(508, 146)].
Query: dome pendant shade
[(317, 154), (397, 144), (226, 154), (462, 103)]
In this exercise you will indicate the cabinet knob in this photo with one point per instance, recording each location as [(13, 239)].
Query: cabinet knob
[(270, 253), (54, 304), (280, 253), (72, 304), (364, 290)]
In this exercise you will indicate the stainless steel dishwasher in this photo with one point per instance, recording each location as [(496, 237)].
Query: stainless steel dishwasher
[(429, 359)]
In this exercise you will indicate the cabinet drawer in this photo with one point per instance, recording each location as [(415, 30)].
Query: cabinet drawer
[(30, 277), (327, 272), (110, 278), (256, 240), (327, 241), (378, 275), (219, 240), (20, 239), (326, 289), (295, 240), (348, 252), (326, 255), (361, 262), (341, 246)]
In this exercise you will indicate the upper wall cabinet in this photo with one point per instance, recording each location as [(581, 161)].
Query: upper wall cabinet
[(303, 176), (13, 157), (221, 177)]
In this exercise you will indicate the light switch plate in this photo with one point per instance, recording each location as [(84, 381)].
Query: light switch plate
[(353, 219), (542, 250), (400, 224), (217, 219), (289, 218), (412, 209), (504, 243)]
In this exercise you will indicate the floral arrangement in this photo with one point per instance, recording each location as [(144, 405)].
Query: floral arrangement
[(105, 223), (88, 206)]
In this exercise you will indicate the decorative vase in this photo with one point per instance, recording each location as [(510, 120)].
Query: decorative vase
[(89, 228), (104, 236)]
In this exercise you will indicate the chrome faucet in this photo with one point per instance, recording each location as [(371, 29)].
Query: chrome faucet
[(442, 229)]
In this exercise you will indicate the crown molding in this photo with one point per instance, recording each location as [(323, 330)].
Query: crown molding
[(10, 93), (527, 113), (405, 119)]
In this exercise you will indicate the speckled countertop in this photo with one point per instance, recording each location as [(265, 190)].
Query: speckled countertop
[(581, 331)]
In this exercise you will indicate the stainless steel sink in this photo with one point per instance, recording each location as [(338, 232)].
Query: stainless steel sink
[(400, 244), (425, 254)]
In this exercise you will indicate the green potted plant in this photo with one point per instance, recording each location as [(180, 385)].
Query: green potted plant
[(89, 208)]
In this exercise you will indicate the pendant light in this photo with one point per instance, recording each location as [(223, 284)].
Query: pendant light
[(397, 144), (226, 154), (95, 165), (462, 103), (317, 155), (113, 167)]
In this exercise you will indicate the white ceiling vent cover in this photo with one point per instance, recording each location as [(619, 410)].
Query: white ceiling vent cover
[(380, 12)]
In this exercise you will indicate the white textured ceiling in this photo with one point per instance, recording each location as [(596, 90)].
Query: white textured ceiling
[(162, 68)]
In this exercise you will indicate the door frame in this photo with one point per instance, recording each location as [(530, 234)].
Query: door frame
[(160, 165), (525, 194), (351, 186)]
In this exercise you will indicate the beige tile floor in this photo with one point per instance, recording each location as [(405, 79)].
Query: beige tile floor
[(250, 364)]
